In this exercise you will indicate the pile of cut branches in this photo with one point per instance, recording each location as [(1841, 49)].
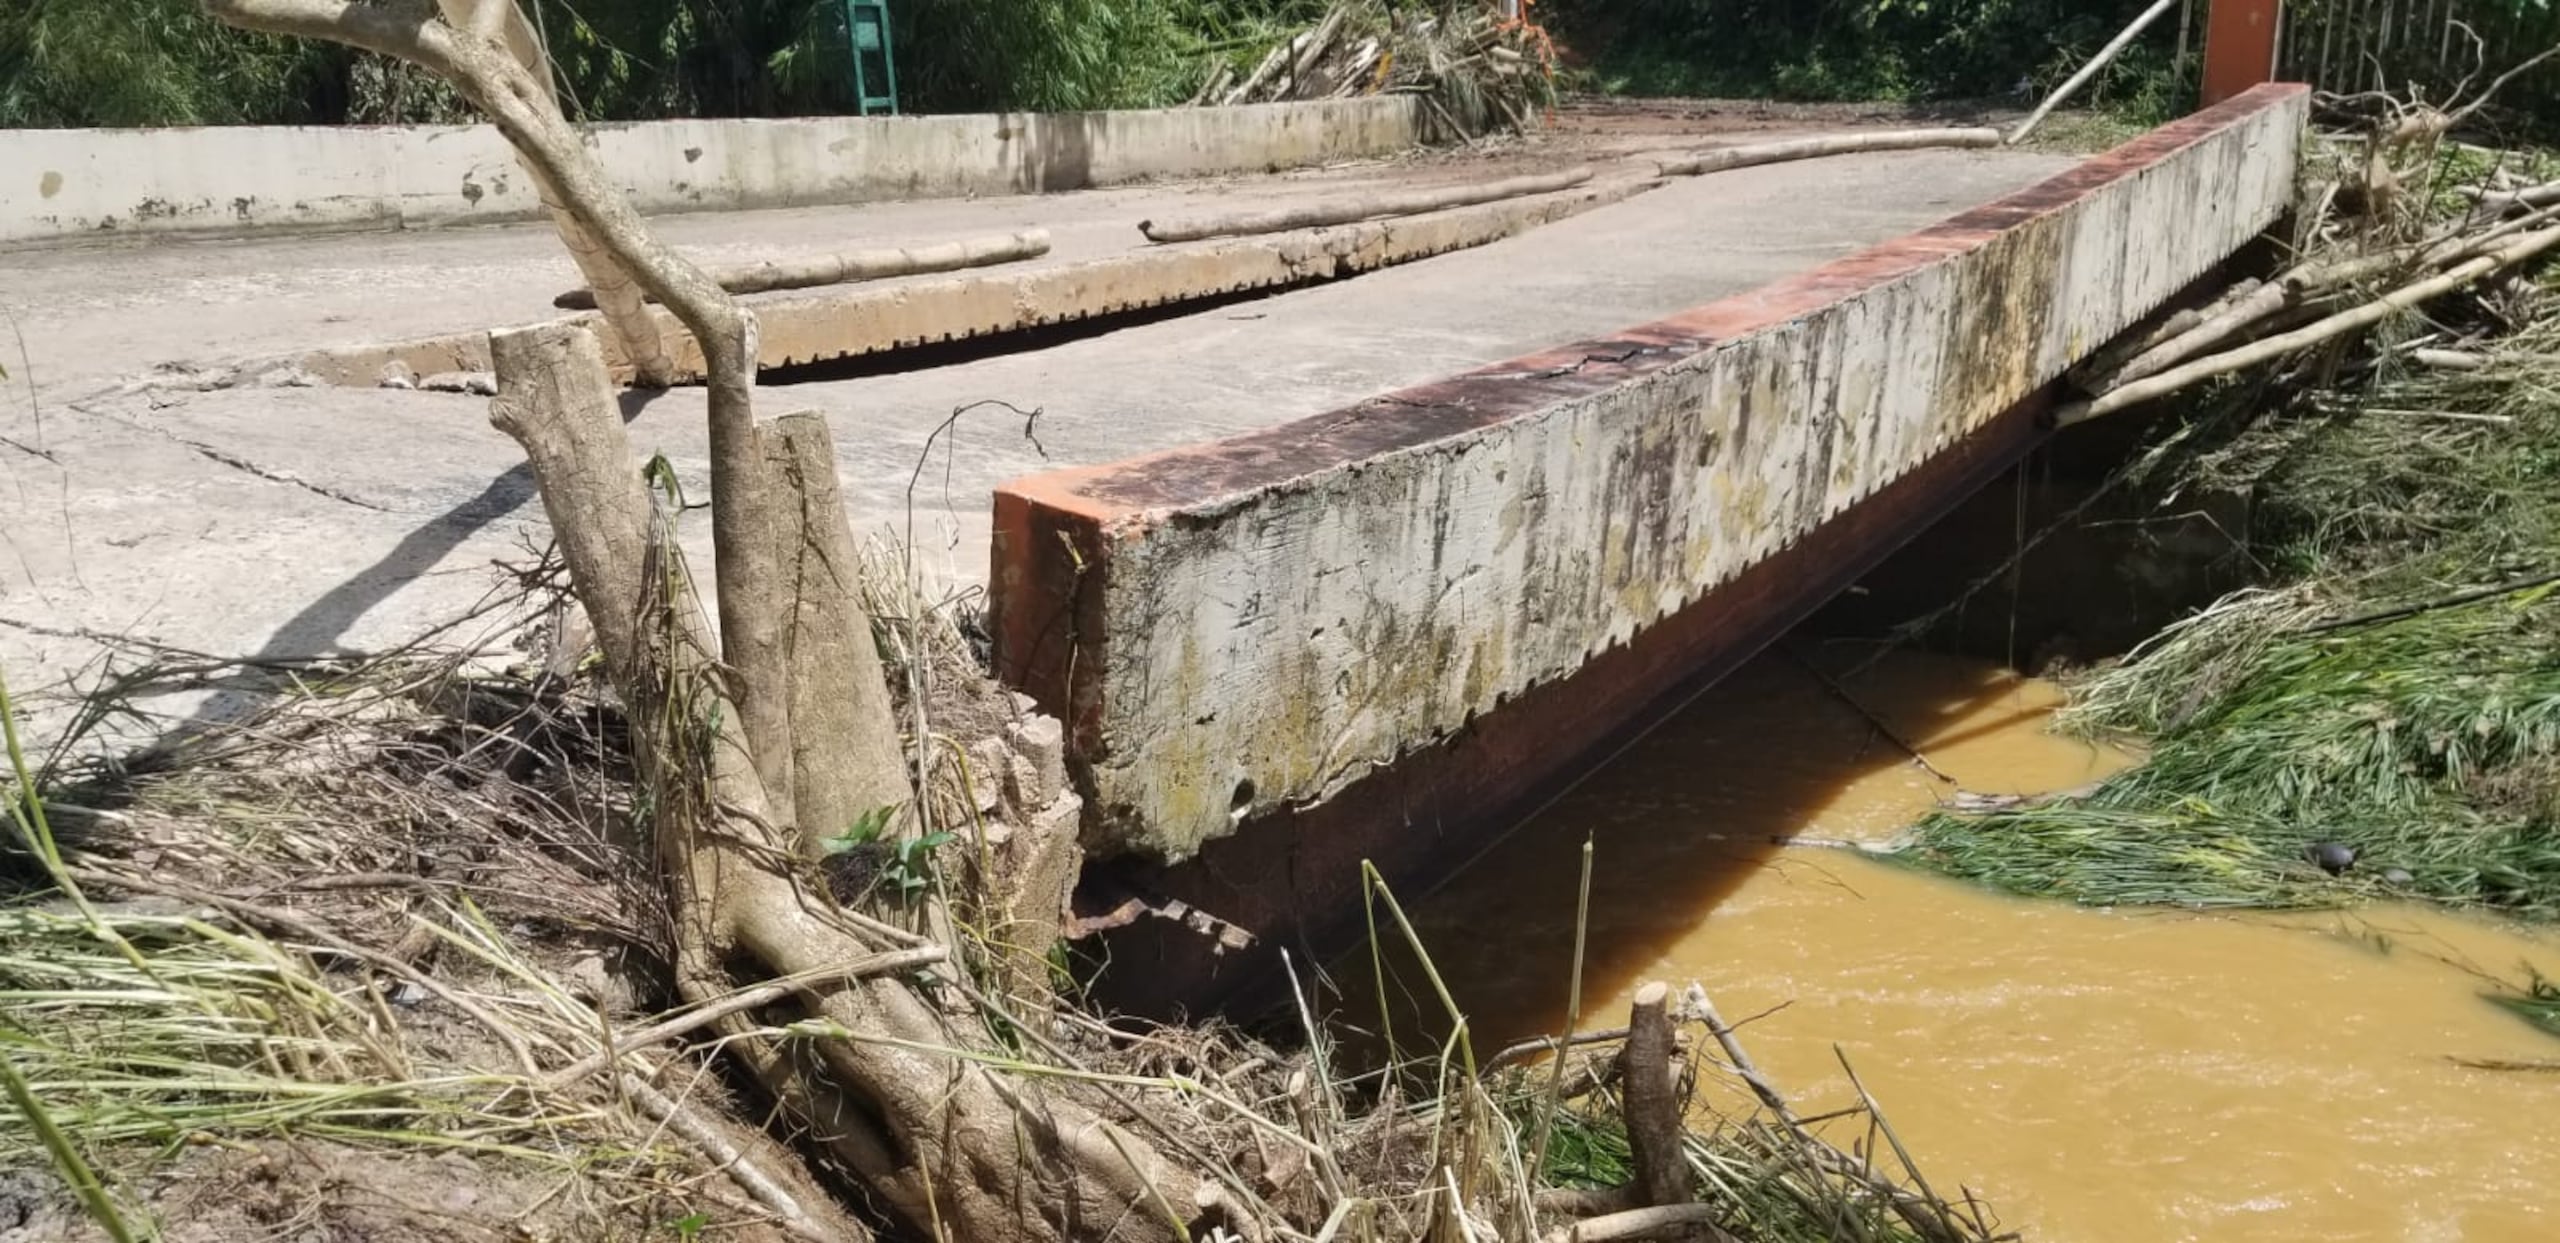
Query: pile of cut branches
[(2398, 215), (1478, 71), (2382, 720)]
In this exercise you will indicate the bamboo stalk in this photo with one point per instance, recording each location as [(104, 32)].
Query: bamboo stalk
[(1643, 1223), (2088, 71), (1357, 208), (2094, 372), (2324, 330), (1748, 155), (860, 265), (2260, 303), (1572, 1019)]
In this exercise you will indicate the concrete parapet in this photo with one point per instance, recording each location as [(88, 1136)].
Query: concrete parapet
[(82, 183), (1255, 625)]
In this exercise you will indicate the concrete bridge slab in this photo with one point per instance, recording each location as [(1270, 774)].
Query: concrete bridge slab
[(299, 521)]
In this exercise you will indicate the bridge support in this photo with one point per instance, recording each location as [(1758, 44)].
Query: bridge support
[(2240, 46)]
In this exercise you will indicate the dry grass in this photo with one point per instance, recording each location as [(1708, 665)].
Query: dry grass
[(2396, 689), (390, 922)]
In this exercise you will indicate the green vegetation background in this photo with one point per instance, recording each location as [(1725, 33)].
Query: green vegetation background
[(160, 62)]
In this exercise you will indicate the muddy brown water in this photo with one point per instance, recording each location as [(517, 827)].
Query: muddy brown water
[(2097, 1075)]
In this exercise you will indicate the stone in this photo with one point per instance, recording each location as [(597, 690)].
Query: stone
[(990, 766), (396, 374), (591, 979), (477, 383), (1041, 741)]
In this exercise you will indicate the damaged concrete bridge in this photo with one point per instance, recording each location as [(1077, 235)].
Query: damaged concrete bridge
[(1335, 546), (1361, 634)]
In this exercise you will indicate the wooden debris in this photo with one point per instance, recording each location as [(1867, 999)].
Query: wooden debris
[(1654, 1128), (1357, 208), (2088, 71), (1477, 70), (2355, 318), (1747, 155), (861, 265)]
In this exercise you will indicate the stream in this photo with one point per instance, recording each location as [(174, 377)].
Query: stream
[(2098, 1076)]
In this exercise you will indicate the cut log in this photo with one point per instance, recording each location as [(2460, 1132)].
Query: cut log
[(1752, 154), (845, 759), (1361, 207), (2095, 372), (1661, 1222), (1253, 81), (860, 265), (2499, 204), (2230, 321), (1305, 62), (1654, 1130)]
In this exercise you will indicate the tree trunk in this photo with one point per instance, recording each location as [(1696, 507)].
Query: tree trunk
[(1655, 1134), (939, 1137), (867, 1069), (612, 288), (845, 757)]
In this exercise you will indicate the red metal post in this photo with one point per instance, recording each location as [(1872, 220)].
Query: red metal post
[(2239, 46)]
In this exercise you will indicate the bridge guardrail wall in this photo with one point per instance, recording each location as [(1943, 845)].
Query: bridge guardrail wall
[(1256, 624), (62, 185)]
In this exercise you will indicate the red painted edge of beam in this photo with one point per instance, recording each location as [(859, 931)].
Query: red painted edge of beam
[(1053, 529)]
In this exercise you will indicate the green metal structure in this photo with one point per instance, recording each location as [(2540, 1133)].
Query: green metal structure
[(866, 25)]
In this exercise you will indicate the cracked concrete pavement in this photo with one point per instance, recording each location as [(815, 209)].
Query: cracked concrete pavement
[(300, 521)]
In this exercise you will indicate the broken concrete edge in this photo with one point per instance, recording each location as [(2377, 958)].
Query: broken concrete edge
[(1256, 624), (850, 321), (80, 184), (1201, 934)]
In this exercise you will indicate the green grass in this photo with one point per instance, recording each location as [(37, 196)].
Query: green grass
[(2538, 1004), (2401, 696)]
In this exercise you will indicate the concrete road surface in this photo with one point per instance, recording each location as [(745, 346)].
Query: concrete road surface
[(305, 521)]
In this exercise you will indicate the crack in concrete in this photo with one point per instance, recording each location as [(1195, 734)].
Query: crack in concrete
[(1609, 360), (63, 632), (239, 463), (235, 461), (32, 451)]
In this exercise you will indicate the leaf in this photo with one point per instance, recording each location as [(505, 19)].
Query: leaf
[(865, 829)]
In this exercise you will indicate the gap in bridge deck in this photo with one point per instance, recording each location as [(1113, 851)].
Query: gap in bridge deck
[(961, 351)]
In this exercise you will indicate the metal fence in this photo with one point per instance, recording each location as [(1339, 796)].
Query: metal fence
[(2426, 48)]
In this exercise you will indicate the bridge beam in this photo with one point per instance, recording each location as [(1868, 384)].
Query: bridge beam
[(1367, 633)]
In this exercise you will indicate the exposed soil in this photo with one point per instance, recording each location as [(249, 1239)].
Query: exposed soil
[(321, 1191)]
